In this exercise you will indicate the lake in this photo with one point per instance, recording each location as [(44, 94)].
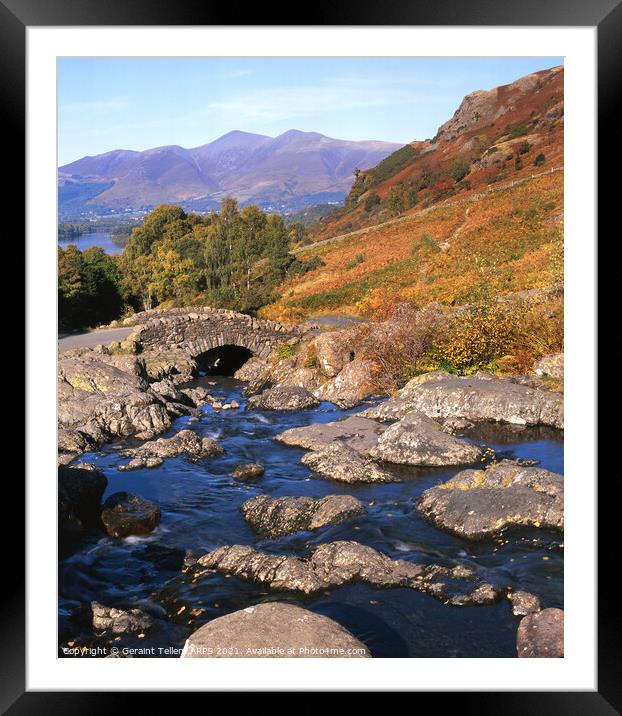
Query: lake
[(86, 241)]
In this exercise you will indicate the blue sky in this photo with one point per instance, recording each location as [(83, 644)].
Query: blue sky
[(138, 103)]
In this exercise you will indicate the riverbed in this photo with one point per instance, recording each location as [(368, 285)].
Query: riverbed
[(200, 506)]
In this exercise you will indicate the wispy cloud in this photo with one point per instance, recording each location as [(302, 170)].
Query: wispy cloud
[(234, 74), (279, 103)]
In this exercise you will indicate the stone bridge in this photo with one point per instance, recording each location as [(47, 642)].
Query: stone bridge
[(203, 331)]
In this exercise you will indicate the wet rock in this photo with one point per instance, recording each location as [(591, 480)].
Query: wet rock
[(361, 434), (350, 386), (283, 398), (551, 365), (341, 462), (478, 503), (248, 473), (418, 440), (541, 635), (198, 396), (273, 629), (133, 621), (124, 514), (177, 402), (275, 516), (524, 603), (80, 491), (337, 563), (185, 442), (474, 398)]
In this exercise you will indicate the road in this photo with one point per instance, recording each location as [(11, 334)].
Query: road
[(91, 338)]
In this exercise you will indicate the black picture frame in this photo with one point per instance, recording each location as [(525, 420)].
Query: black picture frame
[(17, 15)]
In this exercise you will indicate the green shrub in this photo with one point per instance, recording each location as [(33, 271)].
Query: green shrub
[(284, 351), (372, 201), (358, 259), (393, 164), (518, 130), (459, 169), (539, 160)]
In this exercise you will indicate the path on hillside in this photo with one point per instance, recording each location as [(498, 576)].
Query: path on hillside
[(421, 212), (88, 339)]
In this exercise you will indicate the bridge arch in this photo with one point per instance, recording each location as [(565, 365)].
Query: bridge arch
[(208, 334)]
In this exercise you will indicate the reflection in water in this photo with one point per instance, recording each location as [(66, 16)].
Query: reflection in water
[(200, 506)]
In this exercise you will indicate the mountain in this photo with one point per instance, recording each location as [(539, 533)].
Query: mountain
[(495, 135), (475, 212), (293, 170)]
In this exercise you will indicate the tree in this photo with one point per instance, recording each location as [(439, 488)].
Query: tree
[(395, 201), (371, 201), (459, 169), (89, 287), (277, 248), (162, 218), (138, 280)]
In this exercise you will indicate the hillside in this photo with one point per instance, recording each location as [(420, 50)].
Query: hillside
[(475, 212), (285, 173)]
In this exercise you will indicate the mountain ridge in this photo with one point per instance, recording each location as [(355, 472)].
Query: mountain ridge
[(296, 167)]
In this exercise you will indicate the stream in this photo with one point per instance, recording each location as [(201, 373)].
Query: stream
[(200, 504)]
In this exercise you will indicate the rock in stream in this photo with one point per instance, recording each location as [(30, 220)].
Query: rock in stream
[(276, 630), (478, 503), (337, 563), (275, 516)]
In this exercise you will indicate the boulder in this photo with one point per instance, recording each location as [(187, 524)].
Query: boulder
[(359, 433), (247, 473), (541, 635), (551, 366), (478, 503), (80, 490), (337, 563), (103, 402), (198, 396), (283, 398), (172, 363), (71, 443), (275, 516), (475, 398), (273, 629), (333, 351), (185, 442), (304, 377), (124, 514), (350, 386), (257, 374), (133, 621), (338, 461), (418, 440)]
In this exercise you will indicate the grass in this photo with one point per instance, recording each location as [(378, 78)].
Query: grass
[(505, 242)]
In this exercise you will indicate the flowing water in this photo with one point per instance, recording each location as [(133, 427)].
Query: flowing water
[(200, 506)]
